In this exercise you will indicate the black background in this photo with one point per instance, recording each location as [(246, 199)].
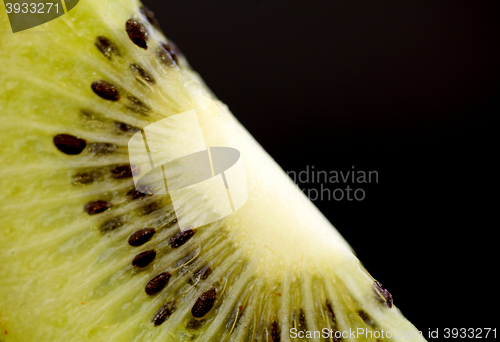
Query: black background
[(404, 88)]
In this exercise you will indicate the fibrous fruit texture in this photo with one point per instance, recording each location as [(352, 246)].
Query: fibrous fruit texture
[(86, 255)]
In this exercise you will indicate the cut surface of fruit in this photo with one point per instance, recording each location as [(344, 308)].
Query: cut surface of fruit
[(87, 256)]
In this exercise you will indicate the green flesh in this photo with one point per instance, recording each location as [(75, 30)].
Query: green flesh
[(67, 275)]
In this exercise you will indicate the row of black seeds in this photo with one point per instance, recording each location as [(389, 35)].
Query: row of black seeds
[(141, 260), (89, 176), (138, 34), (72, 145), (109, 92)]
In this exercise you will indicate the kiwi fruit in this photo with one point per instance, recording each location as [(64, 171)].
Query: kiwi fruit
[(87, 256)]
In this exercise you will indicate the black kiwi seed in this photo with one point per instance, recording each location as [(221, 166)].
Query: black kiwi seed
[(365, 317), (112, 224), (201, 274), (181, 238), (83, 178), (143, 259), (102, 148), (300, 318), (121, 172), (157, 284), (136, 194), (69, 144), (96, 207), (140, 237), (275, 332), (137, 33), (163, 313), (137, 105), (106, 46), (148, 209), (384, 293), (150, 16), (126, 127), (142, 74), (204, 304), (329, 309), (105, 90), (331, 315), (168, 53)]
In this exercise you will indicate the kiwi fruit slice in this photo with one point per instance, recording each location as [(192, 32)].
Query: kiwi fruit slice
[(87, 256)]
